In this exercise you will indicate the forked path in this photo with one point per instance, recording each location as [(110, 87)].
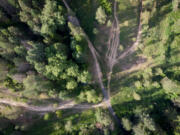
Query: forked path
[(72, 105), (112, 58), (106, 94)]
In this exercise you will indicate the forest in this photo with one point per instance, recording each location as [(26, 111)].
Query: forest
[(89, 67)]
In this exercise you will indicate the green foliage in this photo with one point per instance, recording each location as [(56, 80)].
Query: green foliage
[(10, 37), (107, 5), (10, 43), (76, 31), (57, 52), (175, 4), (103, 118), (60, 68), (101, 15), (57, 61), (20, 50), (12, 2), (148, 122), (85, 11), (161, 41), (3, 69), (46, 21), (169, 86), (51, 17), (36, 54), (30, 15), (128, 19), (145, 126), (90, 96), (127, 124), (59, 114), (12, 84), (84, 77), (72, 71), (78, 49), (71, 84), (34, 85), (64, 95), (68, 126), (177, 125), (47, 116), (79, 123), (138, 84), (138, 130), (136, 96)]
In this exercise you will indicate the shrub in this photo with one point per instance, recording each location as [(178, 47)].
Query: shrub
[(103, 118), (47, 116), (90, 96), (101, 15), (59, 114), (106, 5), (169, 86), (126, 124), (72, 84), (68, 126)]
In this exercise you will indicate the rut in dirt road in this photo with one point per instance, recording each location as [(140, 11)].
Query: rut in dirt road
[(114, 42), (111, 57)]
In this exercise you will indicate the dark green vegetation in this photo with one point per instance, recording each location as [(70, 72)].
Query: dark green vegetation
[(44, 59), (85, 123), (147, 101), (38, 54), (91, 122)]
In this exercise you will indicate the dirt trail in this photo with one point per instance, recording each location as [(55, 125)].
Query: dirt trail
[(134, 68), (50, 107), (74, 20), (71, 104), (112, 59), (114, 42), (111, 56), (106, 94), (131, 49), (93, 51)]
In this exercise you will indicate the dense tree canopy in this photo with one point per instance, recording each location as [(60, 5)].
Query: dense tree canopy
[(47, 66)]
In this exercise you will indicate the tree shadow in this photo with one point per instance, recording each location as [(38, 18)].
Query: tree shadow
[(153, 104), (85, 11), (159, 15)]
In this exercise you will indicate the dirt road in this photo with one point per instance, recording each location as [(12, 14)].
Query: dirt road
[(50, 107), (112, 59), (94, 53)]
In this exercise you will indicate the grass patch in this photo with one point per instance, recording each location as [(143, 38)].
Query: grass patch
[(128, 18)]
